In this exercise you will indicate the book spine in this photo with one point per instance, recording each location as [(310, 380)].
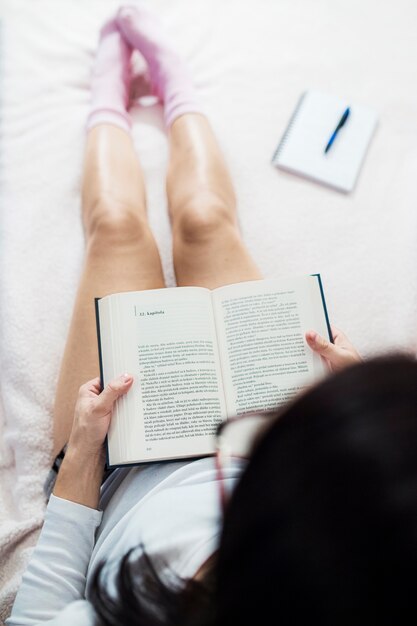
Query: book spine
[(100, 360), (275, 156), (326, 315)]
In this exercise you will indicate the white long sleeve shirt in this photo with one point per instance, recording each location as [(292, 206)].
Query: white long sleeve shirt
[(173, 509)]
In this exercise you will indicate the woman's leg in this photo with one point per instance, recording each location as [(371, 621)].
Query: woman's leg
[(121, 255), (208, 248)]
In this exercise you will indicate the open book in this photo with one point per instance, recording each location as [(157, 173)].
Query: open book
[(199, 356)]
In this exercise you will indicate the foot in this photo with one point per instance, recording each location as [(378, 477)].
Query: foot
[(110, 81), (170, 79)]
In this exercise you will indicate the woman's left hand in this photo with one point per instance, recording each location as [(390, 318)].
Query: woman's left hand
[(339, 354), (93, 412)]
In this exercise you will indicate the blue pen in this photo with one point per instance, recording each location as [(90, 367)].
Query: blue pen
[(336, 130)]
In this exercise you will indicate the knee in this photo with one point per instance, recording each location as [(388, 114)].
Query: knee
[(114, 223), (203, 219)]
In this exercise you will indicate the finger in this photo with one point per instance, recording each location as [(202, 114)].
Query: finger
[(92, 385), (340, 339), (335, 331), (325, 348), (113, 390), (338, 335), (95, 385)]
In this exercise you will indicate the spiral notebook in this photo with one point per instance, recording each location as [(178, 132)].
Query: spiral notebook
[(301, 149)]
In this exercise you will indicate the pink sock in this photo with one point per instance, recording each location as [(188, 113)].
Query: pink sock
[(169, 75), (110, 82)]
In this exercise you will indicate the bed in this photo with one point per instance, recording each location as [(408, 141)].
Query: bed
[(250, 60)]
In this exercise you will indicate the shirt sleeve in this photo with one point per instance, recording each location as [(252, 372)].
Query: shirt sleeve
[(56, 574)]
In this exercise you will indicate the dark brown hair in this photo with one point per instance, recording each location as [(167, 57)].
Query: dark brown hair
[(322, 526)]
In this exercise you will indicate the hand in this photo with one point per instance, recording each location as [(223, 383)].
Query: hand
[(339, 354), (93, 412)]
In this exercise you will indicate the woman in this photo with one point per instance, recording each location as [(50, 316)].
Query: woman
[(170, 508), (322, 526)]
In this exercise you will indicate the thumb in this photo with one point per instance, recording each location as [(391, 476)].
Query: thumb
[(113, 390), (326, 349)]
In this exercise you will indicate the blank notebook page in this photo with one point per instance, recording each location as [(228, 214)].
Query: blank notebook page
[(301, 149)]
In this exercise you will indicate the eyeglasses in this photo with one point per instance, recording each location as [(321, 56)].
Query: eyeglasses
[(237, 437)]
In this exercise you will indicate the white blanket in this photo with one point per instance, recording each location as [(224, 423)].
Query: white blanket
[(251, 59)]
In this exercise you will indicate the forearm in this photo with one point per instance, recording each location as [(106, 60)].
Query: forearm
[(81, 473), (79, 478)]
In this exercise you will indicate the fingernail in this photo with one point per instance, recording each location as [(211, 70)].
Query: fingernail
[(312, 337), (126, 378)]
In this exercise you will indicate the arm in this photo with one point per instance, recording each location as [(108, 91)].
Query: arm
[(79, 478), (81, 472), (53, 586), (56, 575)]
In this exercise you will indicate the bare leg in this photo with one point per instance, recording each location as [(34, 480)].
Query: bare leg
[(208, 249), (121, 255)]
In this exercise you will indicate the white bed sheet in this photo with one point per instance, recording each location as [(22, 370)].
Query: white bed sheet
[(251, 60)]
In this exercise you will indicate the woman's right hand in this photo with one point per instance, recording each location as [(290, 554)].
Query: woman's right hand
[(339, 354)]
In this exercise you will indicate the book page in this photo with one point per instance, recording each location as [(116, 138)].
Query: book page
[(260, 327), (166, 338)]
